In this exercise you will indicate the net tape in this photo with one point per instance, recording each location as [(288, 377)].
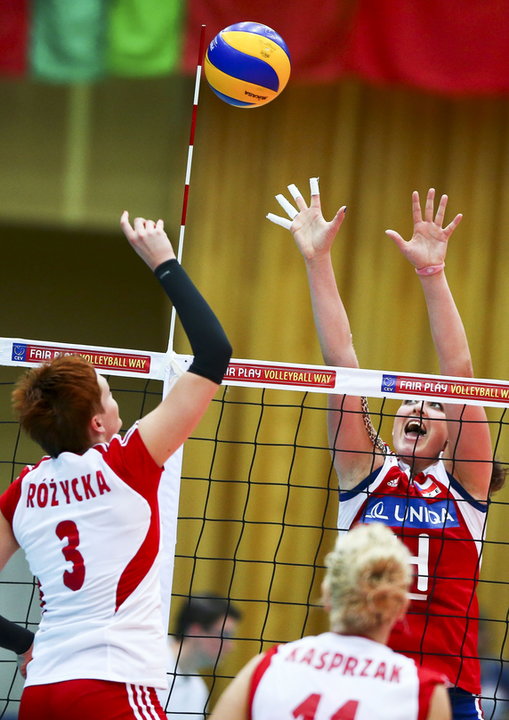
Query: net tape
[(264, 374)]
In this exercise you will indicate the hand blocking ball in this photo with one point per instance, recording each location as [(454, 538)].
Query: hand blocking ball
[(247, 64)]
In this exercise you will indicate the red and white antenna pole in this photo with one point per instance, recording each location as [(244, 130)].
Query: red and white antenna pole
[(187, 181)]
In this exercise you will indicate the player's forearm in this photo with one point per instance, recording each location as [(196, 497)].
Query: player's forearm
[(447, 330), (14, 637), (329, 313), (211, 347)]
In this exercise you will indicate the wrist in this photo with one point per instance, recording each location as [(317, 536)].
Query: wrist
[(428, 270), (15, 637), (164, 266), (318, 259)]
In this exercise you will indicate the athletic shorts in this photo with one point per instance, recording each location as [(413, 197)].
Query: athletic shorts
[(90, 700), (465, 706)]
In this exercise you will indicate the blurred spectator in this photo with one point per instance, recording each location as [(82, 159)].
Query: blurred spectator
[(203, 630)]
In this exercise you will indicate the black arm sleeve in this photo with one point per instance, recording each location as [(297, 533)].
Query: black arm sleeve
[(211, 347), (14, 637)]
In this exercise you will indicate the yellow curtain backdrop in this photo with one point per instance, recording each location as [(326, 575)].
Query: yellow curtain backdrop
[(76, 157), (371, 148)]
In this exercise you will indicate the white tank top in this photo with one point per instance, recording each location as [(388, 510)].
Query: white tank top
[(339, 677), (89, 526)]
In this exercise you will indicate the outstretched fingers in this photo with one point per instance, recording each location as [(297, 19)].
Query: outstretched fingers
[(416, 208), (439, 217), (449, 229), (297, 196), (278, 220), (314, 192), (396, 238), (338, 218), (430, 202), (287, 207)]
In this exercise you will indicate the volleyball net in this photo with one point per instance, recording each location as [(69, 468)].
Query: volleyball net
[(258, 502)]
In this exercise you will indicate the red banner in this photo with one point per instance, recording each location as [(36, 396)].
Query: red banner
[(13, 36), (458, 47), (315, 33)]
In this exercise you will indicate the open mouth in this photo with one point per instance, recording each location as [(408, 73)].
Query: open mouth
[(414, 429)]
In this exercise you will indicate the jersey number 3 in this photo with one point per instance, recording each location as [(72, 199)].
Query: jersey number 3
[(73, 579), (308, 707)]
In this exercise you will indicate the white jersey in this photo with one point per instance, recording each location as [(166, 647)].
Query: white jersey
[(339, 676), (89, 526)]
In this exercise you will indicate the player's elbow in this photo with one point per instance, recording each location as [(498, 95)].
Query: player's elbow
[(211, 359)]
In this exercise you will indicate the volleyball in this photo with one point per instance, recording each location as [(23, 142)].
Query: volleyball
[(247, 64)]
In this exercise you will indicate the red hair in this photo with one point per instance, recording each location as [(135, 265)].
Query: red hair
[(55, 403)]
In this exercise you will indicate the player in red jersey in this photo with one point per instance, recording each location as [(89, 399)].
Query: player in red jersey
[(433, 491), (87, 515), (348, 673)]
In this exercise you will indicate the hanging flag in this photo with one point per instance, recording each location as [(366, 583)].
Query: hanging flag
[(68, 39), (458, 47), (13, 36), (315, 33), (144, 37)]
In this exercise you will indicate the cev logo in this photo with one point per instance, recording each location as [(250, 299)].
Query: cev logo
[(389, 383)]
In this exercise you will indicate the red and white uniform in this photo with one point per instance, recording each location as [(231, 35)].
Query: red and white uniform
[(101, 601), (443, 527), (345, 677)]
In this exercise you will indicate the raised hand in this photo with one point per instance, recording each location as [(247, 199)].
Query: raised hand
[(427, 248), (312, 233), (148, 239)]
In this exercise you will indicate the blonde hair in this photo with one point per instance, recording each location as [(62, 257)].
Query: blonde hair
[(367, 579)]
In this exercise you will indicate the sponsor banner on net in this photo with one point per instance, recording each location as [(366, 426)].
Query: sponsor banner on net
[(285, 375), (100, 359), (446, 388)]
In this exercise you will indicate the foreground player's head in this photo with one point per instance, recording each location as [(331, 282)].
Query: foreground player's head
[(366, 584), (64, 405)]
